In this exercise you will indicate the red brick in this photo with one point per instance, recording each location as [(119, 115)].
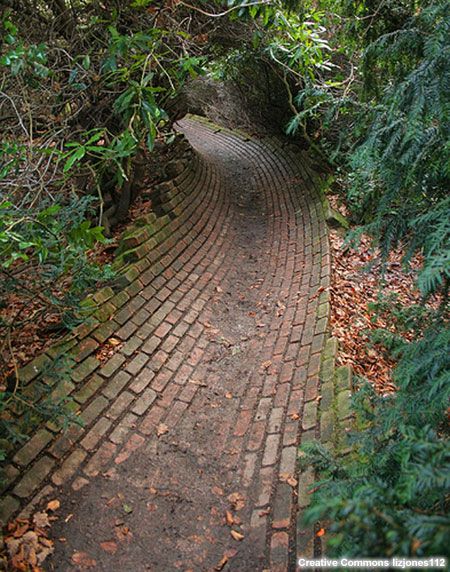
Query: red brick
[(134, 443), (243, 423)]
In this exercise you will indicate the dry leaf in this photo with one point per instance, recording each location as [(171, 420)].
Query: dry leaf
[(40, 520), (114, 341), (295, 416), (109, 546), (219, 566), (229, 395), (123, 533), (236, 535), (237, 500), (219, 289), (321, 532), (229, 518), (83, 560), (161, 429), (289, 479), (53, 505)]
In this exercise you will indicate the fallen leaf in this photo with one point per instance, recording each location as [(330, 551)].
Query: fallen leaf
[(109, 546), (83, 560), (161, 429), (114, 341), (53, 505), (237, 500), (289, 479), (229, 395), (219, 566), (40, 520), (219, 289), (295, 416), (321, 532), (123, 533), (229, 518), (236, 535)]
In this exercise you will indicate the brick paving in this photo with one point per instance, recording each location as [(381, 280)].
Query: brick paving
[(221, 314)]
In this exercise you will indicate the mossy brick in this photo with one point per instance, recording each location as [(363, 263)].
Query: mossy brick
[(68, 409), (94, 409), (161, 222), (137, 253), (89, 389), (88, 303), (321, 326), (8, 475), (120, 299), (61, 349), (63, 388), (84, 329), (65, 441), (134, 288), (163, 188), (330, 349), (327, 394), (115, 385), (305, 483), (34, 368), (343, 404), (147, 247), (324, 297), (33, 447), (105, 312), (127, 311), (34, 477), (103, 295), (8, 506), (327, 370), (142, 265), (131, 346), (135, 238), (85, 369), (105, 331), (84, 348), (323, 310), (158, 268), (174, 168), (146, 220), (343, 378), (119, 264), (327, 426), (112, 365), (309, 418)]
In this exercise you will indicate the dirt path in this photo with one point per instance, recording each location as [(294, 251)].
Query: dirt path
[(204, 418)]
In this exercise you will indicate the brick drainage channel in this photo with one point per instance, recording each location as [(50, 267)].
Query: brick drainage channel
[(218, 382)]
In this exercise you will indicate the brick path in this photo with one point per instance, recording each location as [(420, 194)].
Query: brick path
[(223, 318)]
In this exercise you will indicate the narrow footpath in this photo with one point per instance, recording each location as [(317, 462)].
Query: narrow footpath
[(191, 463)]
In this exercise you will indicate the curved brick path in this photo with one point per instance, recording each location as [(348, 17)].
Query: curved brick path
[(203, 408)]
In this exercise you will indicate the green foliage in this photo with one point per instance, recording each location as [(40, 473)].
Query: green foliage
[(389, 496), (400, 172)]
